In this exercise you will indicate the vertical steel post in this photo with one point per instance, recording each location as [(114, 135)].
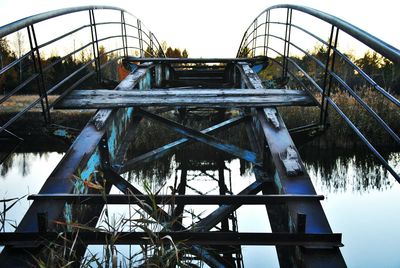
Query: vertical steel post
[(301, 223), (37, 66), (123, 34), (254, 43), (126, 36), (43, 222), (139, 27), (286, 43), (95, 45), (151, 44), (266, 33), (326, 85), (328, 90)]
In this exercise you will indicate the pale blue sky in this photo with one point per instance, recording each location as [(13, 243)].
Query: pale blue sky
[(212, 28)]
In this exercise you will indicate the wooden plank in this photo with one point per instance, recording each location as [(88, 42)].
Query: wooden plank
[(90, 99), (179, 92)]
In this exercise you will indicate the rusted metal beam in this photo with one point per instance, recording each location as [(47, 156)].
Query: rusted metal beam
[(81, 160), (187, 238), (291, 177), (178, 199), (204, 138), (223, 211), (161, 151), (160, 215)]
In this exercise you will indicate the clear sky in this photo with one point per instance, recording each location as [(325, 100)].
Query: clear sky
[(214, 28)]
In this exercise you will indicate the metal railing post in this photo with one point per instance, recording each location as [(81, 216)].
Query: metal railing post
[(37, 66), (286, 43), (95, 45), (328, 90), (327, 85), (123, 34), (266, 33), (254, 43), (151, 44), (139, 26)]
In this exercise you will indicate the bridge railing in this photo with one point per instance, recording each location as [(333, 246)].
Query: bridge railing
[(303, 43), (51, 53)]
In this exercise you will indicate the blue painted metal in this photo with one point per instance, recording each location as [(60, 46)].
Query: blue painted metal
[(62, 133), (81, 162)]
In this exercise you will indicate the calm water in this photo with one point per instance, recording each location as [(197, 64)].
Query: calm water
[(362, 201)]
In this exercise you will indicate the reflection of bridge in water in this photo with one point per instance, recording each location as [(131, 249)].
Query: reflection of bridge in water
[(228, 92)]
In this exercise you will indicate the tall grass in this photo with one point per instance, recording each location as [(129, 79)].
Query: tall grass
[(141, 217), (339, 135)]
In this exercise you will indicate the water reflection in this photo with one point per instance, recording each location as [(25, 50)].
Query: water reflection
[(355, 170), (337, 170), (342, 174), (21, 162), (23, 174)]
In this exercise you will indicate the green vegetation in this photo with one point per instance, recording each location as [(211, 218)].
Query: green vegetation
[(339, 135)]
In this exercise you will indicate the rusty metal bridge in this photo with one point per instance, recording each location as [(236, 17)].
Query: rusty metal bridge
[(230, 88)]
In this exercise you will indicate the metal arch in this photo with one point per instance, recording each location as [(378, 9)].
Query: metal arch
[(373, 42), (22, 23)]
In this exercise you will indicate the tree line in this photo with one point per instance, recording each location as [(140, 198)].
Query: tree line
[(58, 69)]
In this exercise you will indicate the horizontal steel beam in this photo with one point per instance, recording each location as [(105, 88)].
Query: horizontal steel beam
[(196, 60), (177, 199), (188, 238)]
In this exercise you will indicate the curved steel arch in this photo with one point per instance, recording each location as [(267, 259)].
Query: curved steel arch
[(371, 41), (22, 23)]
